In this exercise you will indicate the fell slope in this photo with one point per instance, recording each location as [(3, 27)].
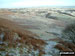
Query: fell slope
[(13, 36)]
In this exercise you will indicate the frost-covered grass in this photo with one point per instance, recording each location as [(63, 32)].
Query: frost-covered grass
[(26, 51), (50, 50)]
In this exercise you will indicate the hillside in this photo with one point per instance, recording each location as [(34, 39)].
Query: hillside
[(34, 32)]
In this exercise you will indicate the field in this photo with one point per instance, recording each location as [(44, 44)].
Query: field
[(46, 24)]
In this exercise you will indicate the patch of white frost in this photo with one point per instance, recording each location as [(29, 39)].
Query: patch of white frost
[(50, 50), (1, 38)]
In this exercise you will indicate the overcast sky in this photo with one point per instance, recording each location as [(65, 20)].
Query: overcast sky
[(35, 3)]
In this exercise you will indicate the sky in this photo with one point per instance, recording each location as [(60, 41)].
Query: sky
[(34, 3)]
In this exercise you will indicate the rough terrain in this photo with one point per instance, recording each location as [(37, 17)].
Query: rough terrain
[(34, 31)]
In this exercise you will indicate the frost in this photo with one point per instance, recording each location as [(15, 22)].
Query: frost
[(1, 36), (50, 50)]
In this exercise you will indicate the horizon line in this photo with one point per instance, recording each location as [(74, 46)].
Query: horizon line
[(41, 6)]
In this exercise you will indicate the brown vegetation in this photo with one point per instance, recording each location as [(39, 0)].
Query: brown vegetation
[(64, 45), (10, 29)]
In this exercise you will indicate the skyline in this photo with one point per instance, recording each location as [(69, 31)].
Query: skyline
[(34, 3)]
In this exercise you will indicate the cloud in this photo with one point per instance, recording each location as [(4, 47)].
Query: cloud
[(37, 3)]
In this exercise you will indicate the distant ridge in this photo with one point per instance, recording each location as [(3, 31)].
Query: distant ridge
[(43, 7), (60, 6)]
